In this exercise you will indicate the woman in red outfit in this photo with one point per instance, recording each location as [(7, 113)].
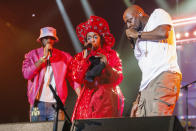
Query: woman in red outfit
[(99, 69)]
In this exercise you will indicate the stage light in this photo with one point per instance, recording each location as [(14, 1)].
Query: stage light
[(186, 41), (33, 15), (186, 34), (178, 35), (194, 33), (69, 26), (184, 21), (180, 94), (87, 8)]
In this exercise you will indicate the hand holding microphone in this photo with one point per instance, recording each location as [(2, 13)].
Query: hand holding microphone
[(87, 49), (98, 63), (48, 50), (43, 59), (131, 33)]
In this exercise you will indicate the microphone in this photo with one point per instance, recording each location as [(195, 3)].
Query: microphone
[(95, 67), (50, 51), (89, 46), (48, 60), (133, 42), (87, 49)]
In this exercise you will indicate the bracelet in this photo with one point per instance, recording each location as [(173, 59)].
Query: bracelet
[(139, 34)]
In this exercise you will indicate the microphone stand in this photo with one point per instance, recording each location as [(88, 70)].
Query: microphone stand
[(187, 111), (59, 105)]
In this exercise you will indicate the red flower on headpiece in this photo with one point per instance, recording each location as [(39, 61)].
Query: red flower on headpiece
[(98, 25)]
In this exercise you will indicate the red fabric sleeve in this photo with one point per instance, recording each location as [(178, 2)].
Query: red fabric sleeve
[(78, 68), (112, 74)]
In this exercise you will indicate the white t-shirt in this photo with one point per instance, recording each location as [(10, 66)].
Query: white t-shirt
[(154, 57), (46, 93)]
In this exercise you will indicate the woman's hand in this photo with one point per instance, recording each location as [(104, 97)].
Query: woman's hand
[(103, 58)]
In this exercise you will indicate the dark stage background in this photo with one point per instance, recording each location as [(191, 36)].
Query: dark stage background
[(20, 22)]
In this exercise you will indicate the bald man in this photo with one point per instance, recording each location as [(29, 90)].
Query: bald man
[(153, 40)]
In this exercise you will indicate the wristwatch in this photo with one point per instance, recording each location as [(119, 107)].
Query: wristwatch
[(139, 34)]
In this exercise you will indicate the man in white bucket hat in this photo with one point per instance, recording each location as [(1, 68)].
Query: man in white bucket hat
[(43, 67)]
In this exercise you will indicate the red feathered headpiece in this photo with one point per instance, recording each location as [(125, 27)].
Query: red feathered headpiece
[(98, 25)]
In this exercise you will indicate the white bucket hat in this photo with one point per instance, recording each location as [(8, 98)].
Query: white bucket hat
[(48, 31)]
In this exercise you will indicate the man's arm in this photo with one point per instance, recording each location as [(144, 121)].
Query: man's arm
[(159, 33), (29, 68)]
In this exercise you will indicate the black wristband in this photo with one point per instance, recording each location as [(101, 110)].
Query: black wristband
[(139, 34)]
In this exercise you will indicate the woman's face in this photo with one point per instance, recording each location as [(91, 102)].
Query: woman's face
[(94, 39)]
